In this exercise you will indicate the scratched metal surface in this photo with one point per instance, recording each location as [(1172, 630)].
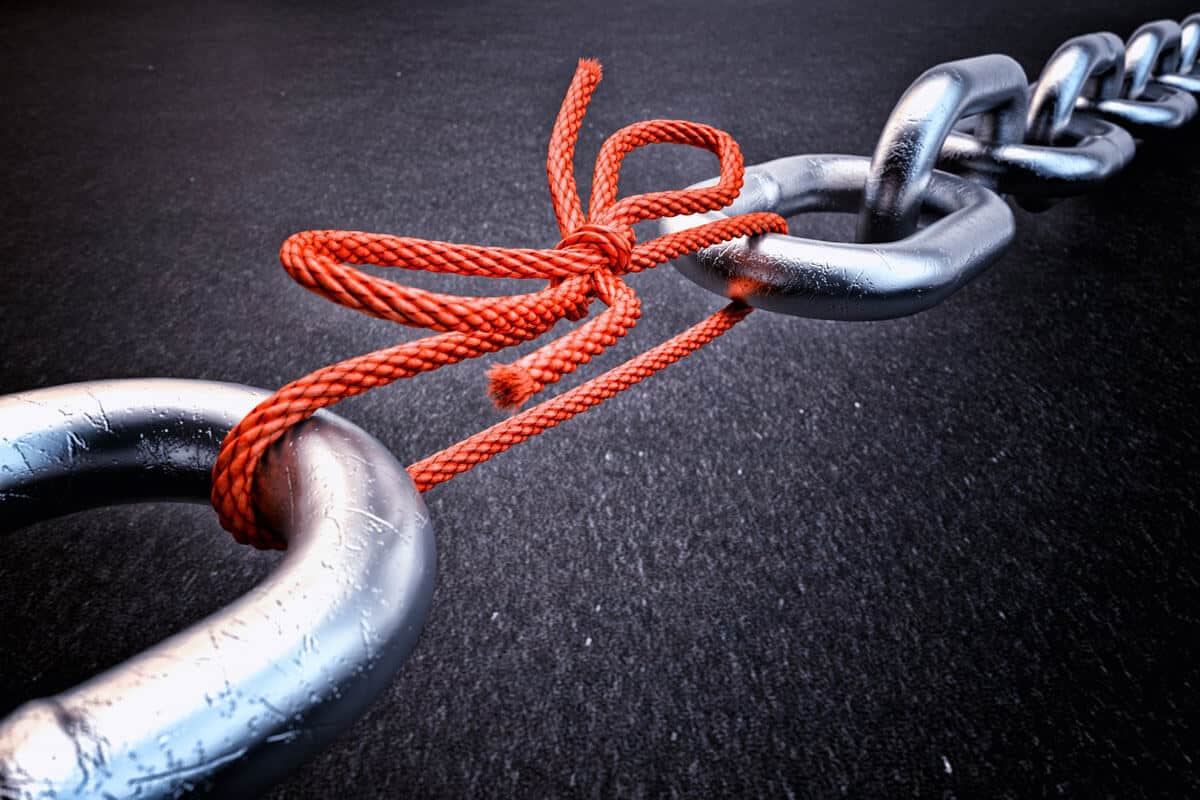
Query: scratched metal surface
[(237, 701), (951, 554)]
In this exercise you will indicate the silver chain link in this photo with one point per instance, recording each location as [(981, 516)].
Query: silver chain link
[(963, 134)]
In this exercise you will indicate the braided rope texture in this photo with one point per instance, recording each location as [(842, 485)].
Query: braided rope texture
[(595, 252)]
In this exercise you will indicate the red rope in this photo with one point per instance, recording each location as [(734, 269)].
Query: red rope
[(595, 251)]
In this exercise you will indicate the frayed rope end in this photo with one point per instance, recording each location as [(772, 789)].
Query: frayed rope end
[(591, 65), (510, 386)]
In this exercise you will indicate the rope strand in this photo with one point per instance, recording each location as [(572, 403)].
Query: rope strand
[(595, 251)]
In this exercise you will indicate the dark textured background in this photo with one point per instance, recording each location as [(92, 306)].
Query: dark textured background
[(949, 555)]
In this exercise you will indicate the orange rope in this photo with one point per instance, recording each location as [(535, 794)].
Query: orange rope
[(595, 251)]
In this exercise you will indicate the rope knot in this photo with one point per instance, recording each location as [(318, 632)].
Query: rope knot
[(613, 245), (595, 253)]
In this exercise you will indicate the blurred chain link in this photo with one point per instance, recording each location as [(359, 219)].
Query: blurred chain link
[(963, 134)]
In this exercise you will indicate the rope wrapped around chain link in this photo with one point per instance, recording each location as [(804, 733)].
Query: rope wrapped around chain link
[(596, 250)]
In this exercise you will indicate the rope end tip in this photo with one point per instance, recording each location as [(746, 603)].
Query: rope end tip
[(509, 386), (591, 65)]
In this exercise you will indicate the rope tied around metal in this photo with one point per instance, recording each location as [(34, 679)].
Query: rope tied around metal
[(595, 251)]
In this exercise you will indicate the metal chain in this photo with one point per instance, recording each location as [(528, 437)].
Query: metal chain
[(962, 135)]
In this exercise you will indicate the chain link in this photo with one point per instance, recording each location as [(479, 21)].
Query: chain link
[(971, 228), (1063, 153), (988, 133), (1186, 77), (1146, 103)]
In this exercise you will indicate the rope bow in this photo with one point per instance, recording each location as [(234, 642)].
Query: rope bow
[(595, 252)]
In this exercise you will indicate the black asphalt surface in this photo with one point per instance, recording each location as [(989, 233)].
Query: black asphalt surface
[(952, 555)]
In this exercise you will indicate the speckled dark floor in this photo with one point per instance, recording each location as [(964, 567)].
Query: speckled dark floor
[(946, 556)]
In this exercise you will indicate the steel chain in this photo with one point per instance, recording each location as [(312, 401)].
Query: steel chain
[(963, 134)]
